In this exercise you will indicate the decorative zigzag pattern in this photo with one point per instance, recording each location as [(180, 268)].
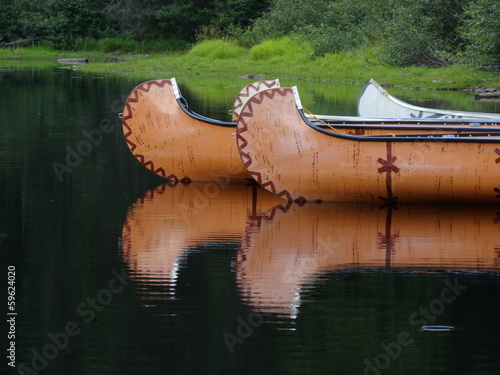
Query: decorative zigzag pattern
[(246, 114), (247, 92), (132, 99), (151, 167)]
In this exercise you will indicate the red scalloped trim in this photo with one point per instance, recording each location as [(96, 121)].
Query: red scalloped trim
[(242, 128), (247, 92), (128, 131)]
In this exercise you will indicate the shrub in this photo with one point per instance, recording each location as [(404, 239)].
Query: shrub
[(327, 26), (481, 32), (422, 33)]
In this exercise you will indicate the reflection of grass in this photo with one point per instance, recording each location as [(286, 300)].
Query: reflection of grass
[(274, 59)]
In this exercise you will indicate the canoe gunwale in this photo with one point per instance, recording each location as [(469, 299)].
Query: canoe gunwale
[(403, 126), (398, 120), (435, 113), (184, 106), (450, 134), (439, 137), (354, 120)]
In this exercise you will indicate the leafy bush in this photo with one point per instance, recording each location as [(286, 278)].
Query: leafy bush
[(422, 32), (186, 17), (327, 26), (417, 32), (241, 36), (481, 32)]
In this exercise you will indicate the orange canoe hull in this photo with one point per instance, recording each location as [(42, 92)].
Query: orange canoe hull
[(297, 162), (172, 142)]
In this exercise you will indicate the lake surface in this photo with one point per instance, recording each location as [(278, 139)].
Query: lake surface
[(117, 273)]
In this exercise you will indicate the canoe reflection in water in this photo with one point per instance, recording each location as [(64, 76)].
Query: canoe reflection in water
[(164, 224), (285, 246), (291, 245)]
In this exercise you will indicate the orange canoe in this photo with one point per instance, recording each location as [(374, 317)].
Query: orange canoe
[(178, 144), (392, 161), (293, 245)]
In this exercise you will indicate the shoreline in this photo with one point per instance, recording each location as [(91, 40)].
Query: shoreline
[(345, 67)]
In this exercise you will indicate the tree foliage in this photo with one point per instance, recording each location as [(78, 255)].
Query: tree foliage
[(328, 26), (422, 32), (188, 17), (481, 31), (63, 22), (409, 31), (406, 32)]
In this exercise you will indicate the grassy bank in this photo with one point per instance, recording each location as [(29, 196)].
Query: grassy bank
[(271, 59)]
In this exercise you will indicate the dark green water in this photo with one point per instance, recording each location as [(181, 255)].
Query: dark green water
[(111, 279)]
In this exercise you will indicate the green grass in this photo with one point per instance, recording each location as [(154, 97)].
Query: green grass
[(33, 53), (213, 50), (282, 50), (279, 58)]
